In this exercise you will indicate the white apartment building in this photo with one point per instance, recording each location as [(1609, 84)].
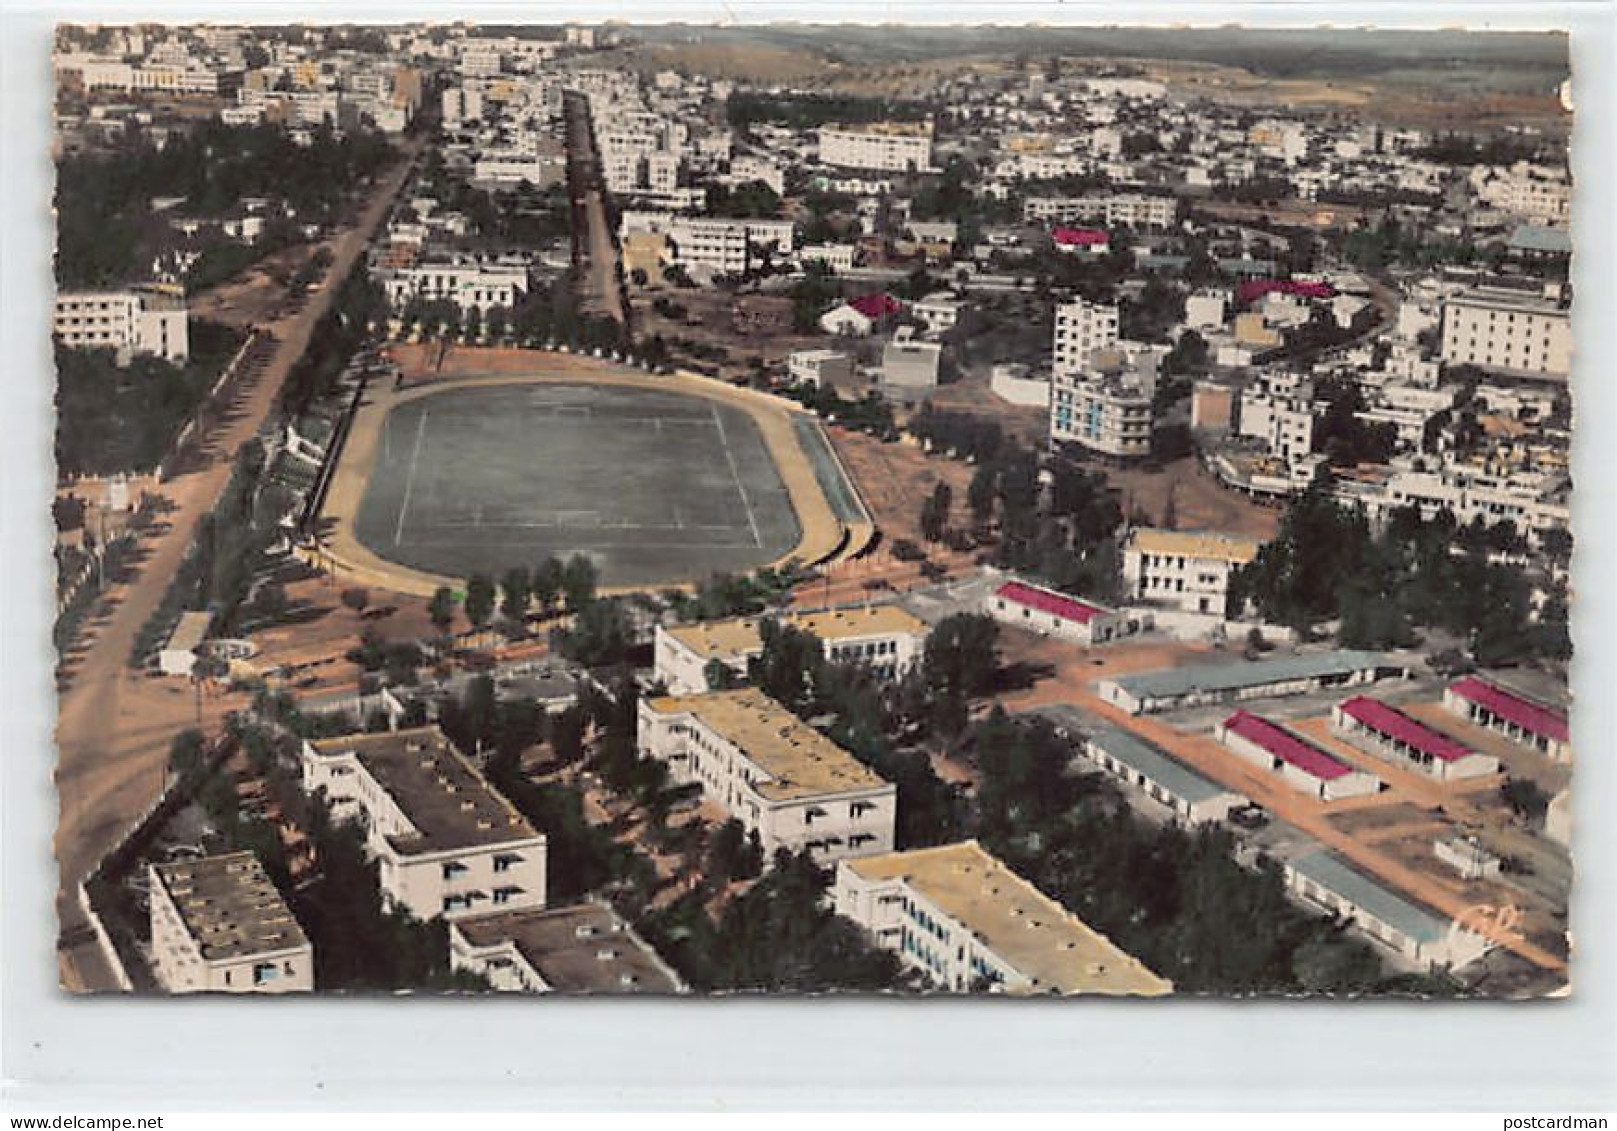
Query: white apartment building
[(128, 322), (968, 923), (1508, 331), (1081, 328), (468, 285), (778, 776), (446, 844), (818, 368), (837, 256), (1111, 415), (219, 926), (582, 949), (1278, 409), (1536, 192), (940, 311), (1129, 210), (884, 638), (1188, 570), (892, 146)]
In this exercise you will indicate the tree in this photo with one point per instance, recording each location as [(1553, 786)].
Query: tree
[(960, 662), (479, 603), (935, 513), (516, 593), (578, 582), (185, 753), (356, 599), (441, 609), (546, 583)]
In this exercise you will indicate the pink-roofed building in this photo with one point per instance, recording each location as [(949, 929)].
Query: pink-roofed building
[(1081, 241), (1511, 714), (1387, 732), (1304, 766), (1047, 612)]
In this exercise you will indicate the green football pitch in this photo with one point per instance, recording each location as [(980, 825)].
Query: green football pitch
[(655, 487)]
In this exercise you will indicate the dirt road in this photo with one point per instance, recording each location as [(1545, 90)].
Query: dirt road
[(114, 724)]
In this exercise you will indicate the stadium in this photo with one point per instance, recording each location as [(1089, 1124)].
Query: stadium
[(662, 481)]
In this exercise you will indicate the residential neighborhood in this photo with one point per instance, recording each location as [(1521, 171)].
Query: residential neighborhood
[(575, 509)]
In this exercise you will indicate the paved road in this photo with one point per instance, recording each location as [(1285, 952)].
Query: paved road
[(595, 250), (114, 724)]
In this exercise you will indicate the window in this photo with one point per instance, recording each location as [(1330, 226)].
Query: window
[(453, 870), (265, 972), (505, 861)]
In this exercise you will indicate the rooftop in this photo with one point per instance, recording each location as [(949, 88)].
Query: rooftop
[(1524, 712), (886, 129), (1335, 874), (1157, 765), (799, 761), (1049, 601), (1237, 674), (1394, 723), (582, 949), (191, 631), (1195, 544), (1054, 949), (1505, 298), (230, 907), (447, 800), (1286, 746), (743, 634)]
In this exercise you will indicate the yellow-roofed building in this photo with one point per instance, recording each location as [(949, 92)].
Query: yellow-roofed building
[(883, 637), (967, 922), (778, 776), (1185, 569)]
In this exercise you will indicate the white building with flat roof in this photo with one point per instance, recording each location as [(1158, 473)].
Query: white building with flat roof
[(968, 923), (1081, 328), (445, 842), (469, 285), (218, 925), (128, 322), (1186, 569), (778, 776), (583, 949), (891, 146), (1508, 331), (885, 638), (818, 368)]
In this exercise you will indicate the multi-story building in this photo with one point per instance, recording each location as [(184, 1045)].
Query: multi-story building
[(818, 368), (1189, 570), (582, 949), (884, 638), (446, 844), (1128, 210), (778, 776), (1508, 331), (966, 922), (1108, 414), (218, 925), (894, 146), (1081, 328), (469, 285), (128, 322), (1278, 409)]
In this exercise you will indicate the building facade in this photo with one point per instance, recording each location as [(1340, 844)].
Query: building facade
[(1189, 570), (128, 322), (446, 844), (884, 638), (966, 922), (893, 146), (218, 925), (583, 949), (781, 778), (1507, 331)]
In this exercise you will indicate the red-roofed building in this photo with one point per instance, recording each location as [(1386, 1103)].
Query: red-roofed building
[(860, 316), (1387, 732), (1249, 289), (1081, 241), (1303, 765), (1513, 715), (1050, 613)]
